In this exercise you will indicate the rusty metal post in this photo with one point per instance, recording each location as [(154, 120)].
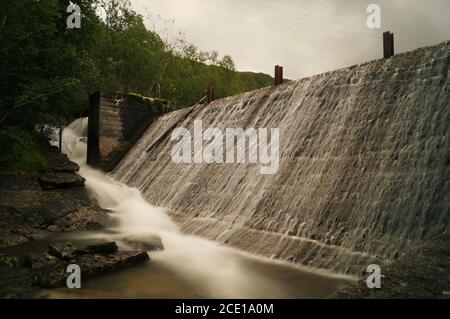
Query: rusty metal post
[(210, 93), (388, 44), (392, 44), (278, 75)]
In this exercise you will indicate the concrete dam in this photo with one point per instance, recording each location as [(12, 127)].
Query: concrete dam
[(364, 169)]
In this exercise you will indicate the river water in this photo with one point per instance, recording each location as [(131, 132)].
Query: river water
[(188, 266)]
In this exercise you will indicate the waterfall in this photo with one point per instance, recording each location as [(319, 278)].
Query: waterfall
[(210, 269), (363, 174)]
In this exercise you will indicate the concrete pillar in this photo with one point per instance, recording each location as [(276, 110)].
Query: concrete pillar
[(116, 121)]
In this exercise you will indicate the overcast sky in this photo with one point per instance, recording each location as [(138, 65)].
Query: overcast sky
[(305, 36)]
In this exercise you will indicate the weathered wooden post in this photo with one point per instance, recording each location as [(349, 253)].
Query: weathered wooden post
[(210, 93), (278, 75), (388, 44)]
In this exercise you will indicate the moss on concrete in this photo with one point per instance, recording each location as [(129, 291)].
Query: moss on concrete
[(152, 102)]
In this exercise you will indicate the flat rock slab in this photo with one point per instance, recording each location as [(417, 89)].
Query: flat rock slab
[(91, 265), (14, 234), (83, 218), (52, 180), (49, 269), (36, 207), (41, 209)]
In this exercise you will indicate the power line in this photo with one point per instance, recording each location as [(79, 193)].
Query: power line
[(287, 20), (434, 37), (366, 39), (309, 33)]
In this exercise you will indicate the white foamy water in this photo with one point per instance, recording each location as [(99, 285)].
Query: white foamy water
[(201, 266), (363, 170)]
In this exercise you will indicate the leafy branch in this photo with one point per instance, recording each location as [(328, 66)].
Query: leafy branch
[(15, 107)]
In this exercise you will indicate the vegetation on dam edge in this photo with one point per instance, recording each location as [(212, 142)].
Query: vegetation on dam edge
[(48, 71)]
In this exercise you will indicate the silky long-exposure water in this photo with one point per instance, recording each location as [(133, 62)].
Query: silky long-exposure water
[(188, 266), (363, 165)]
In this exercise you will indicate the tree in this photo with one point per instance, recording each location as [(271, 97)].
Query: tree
[(227, 63), (47, 71)]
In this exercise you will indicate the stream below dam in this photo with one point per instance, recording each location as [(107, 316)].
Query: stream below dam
[(188, 266)]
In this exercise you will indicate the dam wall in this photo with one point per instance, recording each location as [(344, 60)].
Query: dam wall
[(116, 121), (364, 171)]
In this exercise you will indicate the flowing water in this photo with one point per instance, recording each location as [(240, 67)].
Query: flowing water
[(364, 165), (363, 177), (189, 266)]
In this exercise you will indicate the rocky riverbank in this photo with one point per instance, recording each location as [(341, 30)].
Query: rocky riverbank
[(36, 208), (421, 273)]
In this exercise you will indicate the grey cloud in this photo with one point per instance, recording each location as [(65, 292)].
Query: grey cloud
[(307, 37)]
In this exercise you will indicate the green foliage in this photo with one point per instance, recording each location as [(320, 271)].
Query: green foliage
[(23, 151), (42, 57), (48, 71)]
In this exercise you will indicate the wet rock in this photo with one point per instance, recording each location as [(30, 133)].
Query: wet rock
[(63, 251), (48, 269), (104, 248), (150, 243), (18, 182), (7, 239), (420, 273), (51, 180), (41, 209), (13, 234), (28, 232), (91, 265), (36, 207), (40, 261), (53, 228), (59, 162), (28, 213), (84, 218), (10, 261)]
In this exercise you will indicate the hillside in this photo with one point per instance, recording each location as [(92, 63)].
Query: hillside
[(48, 71)]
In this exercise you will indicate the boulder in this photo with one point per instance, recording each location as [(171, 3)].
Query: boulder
[(50, 180), (58, 161)]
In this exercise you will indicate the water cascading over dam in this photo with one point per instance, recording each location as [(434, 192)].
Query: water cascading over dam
[(364, 170)]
